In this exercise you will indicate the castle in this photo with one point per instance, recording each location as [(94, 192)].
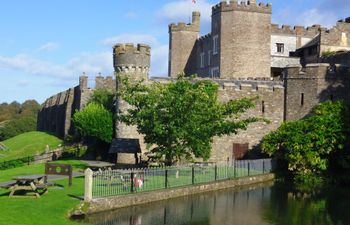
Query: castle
[(290, 69)]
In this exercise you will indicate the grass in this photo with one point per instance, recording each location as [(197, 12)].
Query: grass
[(52, 208), (28, 144), (109, 183), (6, 175)]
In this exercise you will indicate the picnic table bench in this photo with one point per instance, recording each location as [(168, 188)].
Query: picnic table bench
[(30, 184)]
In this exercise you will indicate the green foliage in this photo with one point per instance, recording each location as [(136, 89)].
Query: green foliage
[(18, 118), (28, 144), (94, 121), (52, 208), (104, 97), (181, 118), (17, 126), (328, 53), (306, 145)]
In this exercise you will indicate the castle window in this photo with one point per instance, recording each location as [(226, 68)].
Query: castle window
[(263, 106), (214, 72), (215, 44), (302, 99), (280, 47), (202, 60), (209, 57)]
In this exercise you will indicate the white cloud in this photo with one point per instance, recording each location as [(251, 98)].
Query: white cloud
[(131, 15), (50, 46), (181, 11), (159, 61), (91, 63), (23, 83), (315, 16), (131, 38), (159, 51)]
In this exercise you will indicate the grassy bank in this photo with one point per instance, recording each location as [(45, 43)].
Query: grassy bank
[(28, 144), (52, 208)]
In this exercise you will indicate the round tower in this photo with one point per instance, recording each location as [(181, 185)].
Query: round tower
[(132, 62)]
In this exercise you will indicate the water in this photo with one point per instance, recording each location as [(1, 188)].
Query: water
[(262, 204)]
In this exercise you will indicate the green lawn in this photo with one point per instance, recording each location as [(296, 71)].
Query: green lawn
[(28, 144), (52, 208), (6, 175)]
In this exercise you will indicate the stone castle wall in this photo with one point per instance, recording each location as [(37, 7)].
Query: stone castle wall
[(268, 105), (57, 111), (307, 87)]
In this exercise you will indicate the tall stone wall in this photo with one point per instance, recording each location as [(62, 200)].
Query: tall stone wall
[(132, 62), (57, 111), (182, 40), (269, 106), (337, 38), (307, 87), (245, 39)]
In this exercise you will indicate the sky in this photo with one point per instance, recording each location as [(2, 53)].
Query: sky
[(46, 45)]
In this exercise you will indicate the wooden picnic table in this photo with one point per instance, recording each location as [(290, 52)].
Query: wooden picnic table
[(31, 184)]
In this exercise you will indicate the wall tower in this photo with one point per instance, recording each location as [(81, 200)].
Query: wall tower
[(133, 62), (182, 40), (241, 34)]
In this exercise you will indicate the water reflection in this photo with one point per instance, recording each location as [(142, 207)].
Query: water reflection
[(265, 204), (234, 206)]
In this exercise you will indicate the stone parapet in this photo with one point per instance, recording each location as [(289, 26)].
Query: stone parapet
[(251, 6), (296, 30)]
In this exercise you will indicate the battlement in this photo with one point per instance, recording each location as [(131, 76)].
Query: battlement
[(249, 6), (296, 30), (128, 55), (194, 26), (129, 48), (204, 37), (316, 71)]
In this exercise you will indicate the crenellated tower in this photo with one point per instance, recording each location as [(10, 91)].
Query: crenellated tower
[(133, 62), (182, 40), (241, 33)]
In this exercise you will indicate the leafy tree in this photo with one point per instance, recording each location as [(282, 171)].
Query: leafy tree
[(307, 145), (104, 97), (94, 121), (17, 126), (181, 118)]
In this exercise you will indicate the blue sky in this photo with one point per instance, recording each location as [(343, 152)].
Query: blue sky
[(46, 45)]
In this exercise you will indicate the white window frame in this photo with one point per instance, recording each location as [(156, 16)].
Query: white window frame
[(215, 44), (201, 63), (280, 45), (209, 57), (214, 72)]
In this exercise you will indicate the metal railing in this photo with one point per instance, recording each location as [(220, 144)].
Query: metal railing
[(121, 182)]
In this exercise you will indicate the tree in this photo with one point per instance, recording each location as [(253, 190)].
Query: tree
[(94, 121), (307, 145), (104, 97), (17, 126), (181, 118)]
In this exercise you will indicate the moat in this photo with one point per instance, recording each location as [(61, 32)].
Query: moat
[(263, 204)]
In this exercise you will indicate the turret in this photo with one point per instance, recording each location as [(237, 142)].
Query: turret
[(182, 40), (133, 62), (241, 36)]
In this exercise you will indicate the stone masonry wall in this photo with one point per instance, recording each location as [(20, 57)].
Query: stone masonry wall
[(306, 87), (245, 39), (269, 105), (57, 111)]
